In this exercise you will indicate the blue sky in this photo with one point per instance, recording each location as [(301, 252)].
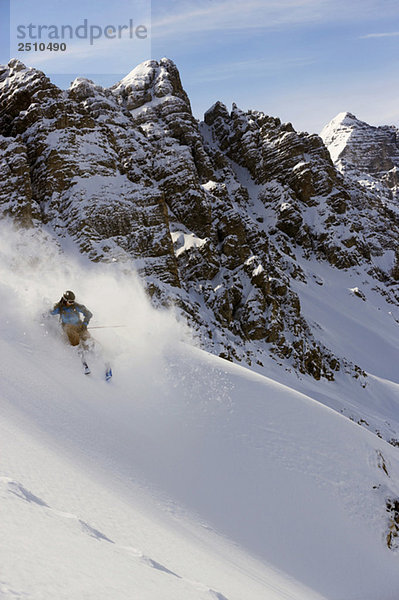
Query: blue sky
[(301, 60)]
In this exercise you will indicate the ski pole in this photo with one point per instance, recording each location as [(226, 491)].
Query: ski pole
[(105, 326)]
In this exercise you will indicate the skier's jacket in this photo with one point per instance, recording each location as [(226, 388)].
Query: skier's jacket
[(69, 314)]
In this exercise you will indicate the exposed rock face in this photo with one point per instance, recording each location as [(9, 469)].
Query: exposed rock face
[(212, 215), (393, 523), (15, 183), (365, 152), (78, 171), (298, 191)]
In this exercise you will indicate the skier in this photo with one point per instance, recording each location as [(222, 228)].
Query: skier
[(76, 329), (73, 326)]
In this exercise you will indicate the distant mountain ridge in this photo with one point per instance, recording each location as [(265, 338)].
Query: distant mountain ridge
[(365, 152), (217, 217)]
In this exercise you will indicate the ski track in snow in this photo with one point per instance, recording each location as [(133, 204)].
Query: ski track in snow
[(7, 485)]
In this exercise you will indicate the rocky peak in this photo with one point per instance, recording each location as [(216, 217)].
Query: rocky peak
[(148, 81), (365, 151), (21, 88), (214, 112), (82, 88), (269, 148)]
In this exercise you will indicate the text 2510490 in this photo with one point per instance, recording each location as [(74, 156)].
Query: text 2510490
[(41, 47)]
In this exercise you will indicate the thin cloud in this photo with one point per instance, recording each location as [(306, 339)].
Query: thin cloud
[(223, 15), (230, 70), (380, 35), (185, 17)]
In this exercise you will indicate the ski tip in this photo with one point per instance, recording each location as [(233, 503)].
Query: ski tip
[(108, 374)]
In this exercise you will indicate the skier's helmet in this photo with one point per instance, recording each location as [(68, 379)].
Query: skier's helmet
[(69, 296)]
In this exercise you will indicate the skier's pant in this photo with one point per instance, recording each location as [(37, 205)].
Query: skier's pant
[(76, 334)]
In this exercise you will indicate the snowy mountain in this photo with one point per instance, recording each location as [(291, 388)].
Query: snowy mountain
[(214, 216), (265, 476), (367, 153)]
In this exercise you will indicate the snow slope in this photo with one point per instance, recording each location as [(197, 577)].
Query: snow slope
[(337, 132), (186, 477)]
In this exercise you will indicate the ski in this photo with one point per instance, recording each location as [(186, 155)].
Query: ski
[(86, 368), (108, 373)]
